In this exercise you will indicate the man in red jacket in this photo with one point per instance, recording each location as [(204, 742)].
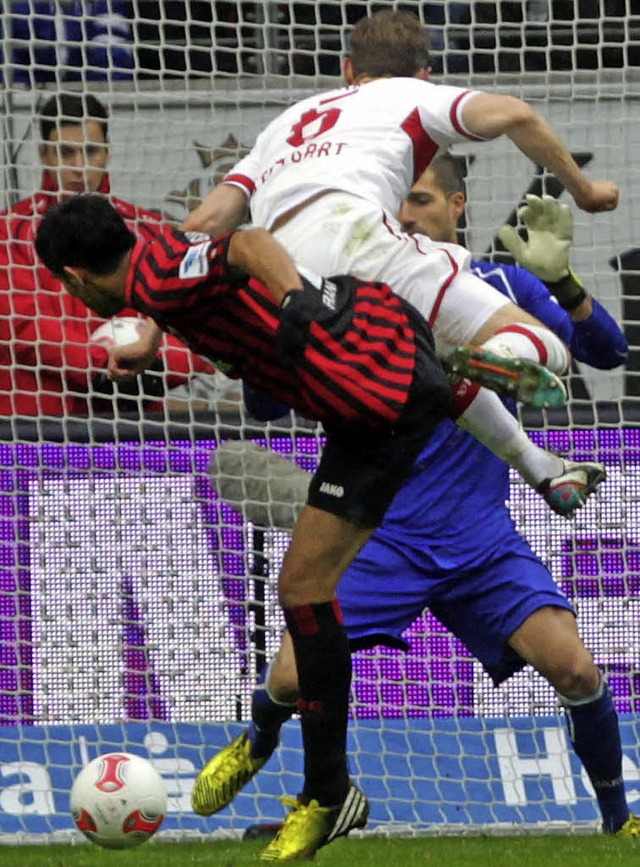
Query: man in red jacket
[(48, 366)]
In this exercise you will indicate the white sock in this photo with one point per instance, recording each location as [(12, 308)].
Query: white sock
[(490, 422), (533, 342)]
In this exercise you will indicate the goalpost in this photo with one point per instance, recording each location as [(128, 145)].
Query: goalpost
[(136, 605)]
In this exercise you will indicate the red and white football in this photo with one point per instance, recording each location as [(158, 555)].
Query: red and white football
[(118, 800)]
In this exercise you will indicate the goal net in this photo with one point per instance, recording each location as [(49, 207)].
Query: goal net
[(136, 605)]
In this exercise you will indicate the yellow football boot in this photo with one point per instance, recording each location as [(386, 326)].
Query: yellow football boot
[(224, 776), (630, 829), (310, 826)]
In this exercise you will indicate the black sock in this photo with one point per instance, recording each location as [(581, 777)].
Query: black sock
[(323, 660)]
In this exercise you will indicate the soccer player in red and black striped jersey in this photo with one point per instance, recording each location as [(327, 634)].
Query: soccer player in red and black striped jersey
[(342, 352), (345, 352)]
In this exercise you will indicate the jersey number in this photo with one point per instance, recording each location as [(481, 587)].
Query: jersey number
[(312, 124)]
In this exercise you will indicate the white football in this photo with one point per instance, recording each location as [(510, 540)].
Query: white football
[(118, 800), (118, 331)]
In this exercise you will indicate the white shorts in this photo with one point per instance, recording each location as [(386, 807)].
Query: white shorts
[(342, 234)]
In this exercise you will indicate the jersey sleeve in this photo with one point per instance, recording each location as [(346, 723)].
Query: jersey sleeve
[(180, 363), (244, 174), (175, 270), (441, 114), (599, 341), (46, 329)]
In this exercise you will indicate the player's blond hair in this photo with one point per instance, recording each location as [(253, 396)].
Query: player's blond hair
[(389, 43)]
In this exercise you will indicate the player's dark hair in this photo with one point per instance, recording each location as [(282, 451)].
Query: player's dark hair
[(71, 109), (84, 231), (389, 43), (449, 173)]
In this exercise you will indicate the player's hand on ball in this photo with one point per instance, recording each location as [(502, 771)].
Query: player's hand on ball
[(601, 196), (549, 226), (129, 358), (125, 362)]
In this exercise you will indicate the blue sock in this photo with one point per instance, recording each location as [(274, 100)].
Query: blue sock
[(595, 735), (267, 717)]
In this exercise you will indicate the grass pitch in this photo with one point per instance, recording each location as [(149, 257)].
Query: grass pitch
[(523, 851)]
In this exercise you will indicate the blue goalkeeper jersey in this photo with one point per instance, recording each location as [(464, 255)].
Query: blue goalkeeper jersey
[(454, 498)]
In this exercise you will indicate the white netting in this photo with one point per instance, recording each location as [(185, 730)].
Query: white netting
[(135, 607)]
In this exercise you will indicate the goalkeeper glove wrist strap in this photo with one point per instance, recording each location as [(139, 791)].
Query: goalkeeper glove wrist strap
[(569, 291)]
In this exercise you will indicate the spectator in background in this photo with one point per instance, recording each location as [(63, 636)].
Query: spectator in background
[(76, 40), (48, 366)]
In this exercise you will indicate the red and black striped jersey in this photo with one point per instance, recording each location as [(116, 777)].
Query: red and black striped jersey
[(361, 376)]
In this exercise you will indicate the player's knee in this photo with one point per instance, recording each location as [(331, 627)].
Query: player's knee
[(553, 352), (304, 582), (534, 342), (322, 547), (576, 676)]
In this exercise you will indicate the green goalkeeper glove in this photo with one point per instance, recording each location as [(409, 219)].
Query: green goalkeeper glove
[(545, 253)]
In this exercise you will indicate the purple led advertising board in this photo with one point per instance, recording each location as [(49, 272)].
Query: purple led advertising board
[(128, 590)]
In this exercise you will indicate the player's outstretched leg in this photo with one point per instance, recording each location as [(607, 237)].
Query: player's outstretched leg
[(229, 771), (526, 381), (310, 826), (569, 491)]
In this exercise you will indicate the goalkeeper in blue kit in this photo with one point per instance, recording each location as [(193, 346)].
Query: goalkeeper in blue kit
[(488, 588)]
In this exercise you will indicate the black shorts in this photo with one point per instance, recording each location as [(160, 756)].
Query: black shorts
[(361, 471)]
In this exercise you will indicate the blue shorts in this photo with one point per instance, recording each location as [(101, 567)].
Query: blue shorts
[(392, 581)]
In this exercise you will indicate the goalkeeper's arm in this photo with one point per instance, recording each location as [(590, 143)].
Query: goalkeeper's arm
[(545, 252)]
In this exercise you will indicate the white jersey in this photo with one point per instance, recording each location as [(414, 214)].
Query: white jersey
[(372, 140), (362, 148)]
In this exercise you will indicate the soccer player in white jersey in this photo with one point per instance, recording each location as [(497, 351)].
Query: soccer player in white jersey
[(327, 178)]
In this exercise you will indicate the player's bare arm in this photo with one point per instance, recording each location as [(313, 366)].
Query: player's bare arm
[(489, 115), (258, 253), (225, 208)]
